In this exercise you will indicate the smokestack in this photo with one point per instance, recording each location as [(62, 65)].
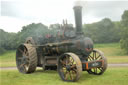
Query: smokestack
[(78, 19)]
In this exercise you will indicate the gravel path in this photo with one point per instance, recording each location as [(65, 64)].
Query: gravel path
[(118, 65), (109, 65), (8, 68)]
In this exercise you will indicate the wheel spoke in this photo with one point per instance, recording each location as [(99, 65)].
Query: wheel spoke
[(25, 52), (67, 60), (72, 61), (75, 70), (73, 66), (95, 70), (66, 75), (70, 75), (91, 57), (21, 51), (21, 65), (100, 69), (95, 56), (98, 57), (62, 62), (24, 68)]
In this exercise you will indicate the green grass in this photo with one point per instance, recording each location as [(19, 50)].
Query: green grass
[(112, 51), (119, 59), (113, 76), (106, 45), (8, 59)]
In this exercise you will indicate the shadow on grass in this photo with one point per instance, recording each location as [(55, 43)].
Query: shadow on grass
[(45, 71)]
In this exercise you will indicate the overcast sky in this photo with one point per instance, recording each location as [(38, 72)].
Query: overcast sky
[(17, 13)]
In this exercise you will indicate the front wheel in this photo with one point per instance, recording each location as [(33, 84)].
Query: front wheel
[(97, 55), (69, 67)]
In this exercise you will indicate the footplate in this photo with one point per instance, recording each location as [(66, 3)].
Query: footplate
[(94, 64)]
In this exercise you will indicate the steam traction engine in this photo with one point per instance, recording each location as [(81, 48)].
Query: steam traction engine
[(69, 53)]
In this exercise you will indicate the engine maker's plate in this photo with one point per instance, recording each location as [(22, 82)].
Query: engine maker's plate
[(94, 64)]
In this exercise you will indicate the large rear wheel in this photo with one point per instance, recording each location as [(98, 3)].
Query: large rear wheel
[(69, 67), (26, 58)]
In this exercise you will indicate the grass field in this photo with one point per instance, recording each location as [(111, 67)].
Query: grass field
[(8, 59), (113, 76), (112, 51)]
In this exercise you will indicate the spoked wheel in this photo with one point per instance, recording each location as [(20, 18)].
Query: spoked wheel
[(30, 40), (69, 67), (97, 55), (26, 58)]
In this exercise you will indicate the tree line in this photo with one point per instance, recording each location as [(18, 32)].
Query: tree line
[(104, 31)]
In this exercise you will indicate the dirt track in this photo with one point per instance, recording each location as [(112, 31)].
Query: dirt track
[(109, 65), (118, 65)]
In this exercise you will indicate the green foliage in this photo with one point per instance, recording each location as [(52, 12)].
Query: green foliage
[(32, 30), (7, 41), (124, 31), (104, 31), (10, 41), (2, 50)]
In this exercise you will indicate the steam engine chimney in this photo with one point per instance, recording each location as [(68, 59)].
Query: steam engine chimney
[(78, 19)]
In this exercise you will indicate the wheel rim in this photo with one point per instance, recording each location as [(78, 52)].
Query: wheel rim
[(24, 59), (97, 55), (69, 67)]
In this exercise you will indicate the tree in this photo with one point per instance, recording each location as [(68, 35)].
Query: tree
[(10, 41), (124, 31), (104, 31), (7, 41), (32, 30)]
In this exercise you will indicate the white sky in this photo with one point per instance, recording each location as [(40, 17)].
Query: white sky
[(17, 13)]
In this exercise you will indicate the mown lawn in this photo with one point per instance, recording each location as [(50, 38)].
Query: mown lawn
[(8, 59), (113, 76), (112, 51)]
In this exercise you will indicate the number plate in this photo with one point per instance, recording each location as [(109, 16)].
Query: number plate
[(94, 64)]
